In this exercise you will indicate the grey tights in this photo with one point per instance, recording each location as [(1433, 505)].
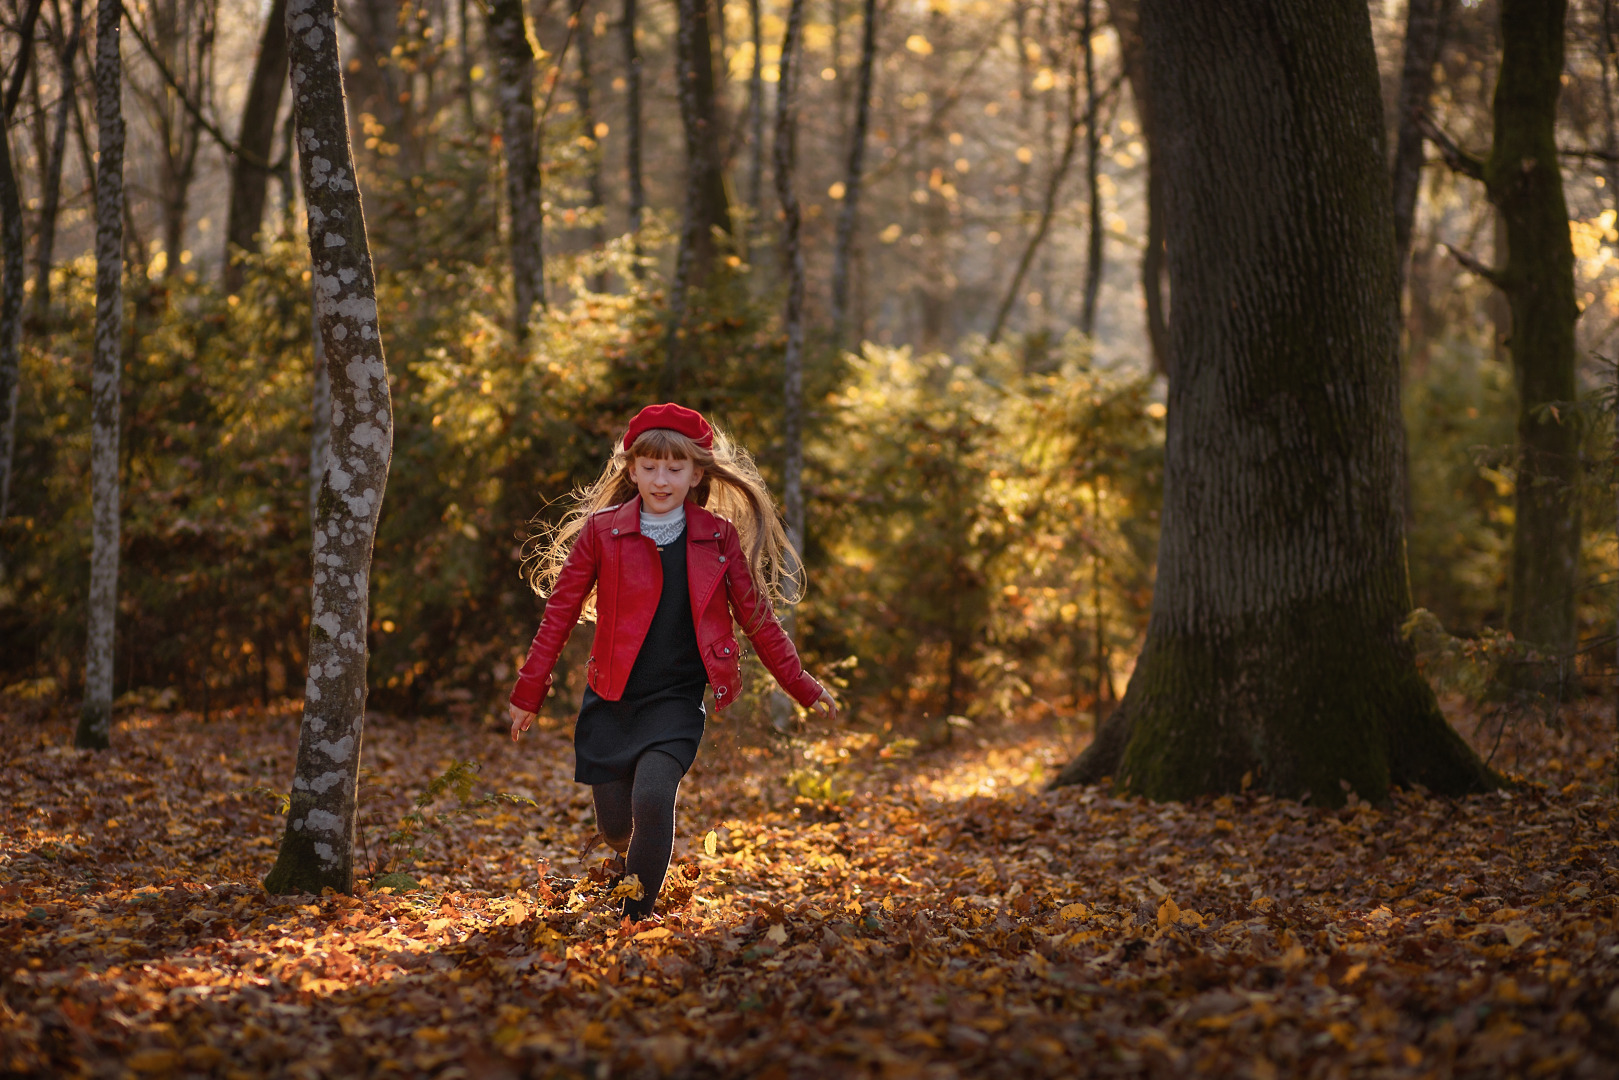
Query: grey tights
[(637, 815)]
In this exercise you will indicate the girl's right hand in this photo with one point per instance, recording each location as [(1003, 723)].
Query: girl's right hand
[(521, 719)]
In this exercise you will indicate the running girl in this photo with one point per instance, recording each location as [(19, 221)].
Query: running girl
[(678, 534)]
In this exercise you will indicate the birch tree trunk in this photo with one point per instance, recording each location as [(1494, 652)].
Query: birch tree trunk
[(1274, 654), (514, 64), (317, 849), (1524, 181), (95, 719), (250, 169), (792, 253), (853, 176)]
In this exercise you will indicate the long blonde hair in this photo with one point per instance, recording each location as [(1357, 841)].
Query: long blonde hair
[(731, 488)]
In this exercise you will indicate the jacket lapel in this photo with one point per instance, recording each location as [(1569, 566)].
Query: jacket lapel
[(704, 570)]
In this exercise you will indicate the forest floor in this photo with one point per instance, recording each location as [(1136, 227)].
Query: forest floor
[(850, 905)]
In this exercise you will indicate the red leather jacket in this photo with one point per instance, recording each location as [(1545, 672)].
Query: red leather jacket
[(623, 565)]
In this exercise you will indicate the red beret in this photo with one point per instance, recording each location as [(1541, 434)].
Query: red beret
[(687, 422)]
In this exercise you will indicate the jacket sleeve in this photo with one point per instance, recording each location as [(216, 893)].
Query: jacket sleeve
[(561, 613), (759, 622)]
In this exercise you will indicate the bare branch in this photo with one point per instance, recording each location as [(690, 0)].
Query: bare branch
[(1474, 265), (1459, 160)]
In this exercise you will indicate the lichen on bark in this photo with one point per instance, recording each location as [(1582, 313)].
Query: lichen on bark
[(317, 848)]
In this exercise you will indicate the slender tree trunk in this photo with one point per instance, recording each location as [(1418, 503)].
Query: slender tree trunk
[(95, 720), (1424, 36), (51, 196), (514, 62), (1093, 189), (792, 253), (1048, 205), (853, 178), (11, 256), (250, 169), (1274, 654), (636, 190), (587, 115), (1525, 183), (1126, 21), (756, 112), (317, 849), (707, 208)]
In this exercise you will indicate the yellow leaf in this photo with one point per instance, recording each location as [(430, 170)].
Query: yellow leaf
[(919, 45), (434, 1036), (776, 935), (711, 843), (1073, 911), (1518, 933), (1168, 914), (657, 933)]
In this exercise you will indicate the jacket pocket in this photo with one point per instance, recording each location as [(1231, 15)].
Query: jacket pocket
[(726, 672)]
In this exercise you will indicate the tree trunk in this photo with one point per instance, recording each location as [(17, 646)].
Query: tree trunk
[(67, 50), (854, 175), (317, 849), (11, 296), (1273, 654), (320, 415), (587, 115), (1126, 22), (1525, 183), (1093, 190), (636, 190), (95, 720), (756, 111), (707, 208), (250, 170), (514, 63), (792, 253), (1424, 35)]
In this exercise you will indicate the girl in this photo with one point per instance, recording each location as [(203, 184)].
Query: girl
[(663, 573)]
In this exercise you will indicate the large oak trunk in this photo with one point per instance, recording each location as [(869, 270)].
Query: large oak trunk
[(1273, 654), (317, 849)]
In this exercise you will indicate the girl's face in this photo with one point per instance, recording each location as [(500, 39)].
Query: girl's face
[(664, 482)]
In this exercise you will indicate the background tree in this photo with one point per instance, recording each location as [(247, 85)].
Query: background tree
[(514, 61), (255, 140), (792, 254), (853, 177), (95, 719), (317, 849), (11, 267), (1274, 650)]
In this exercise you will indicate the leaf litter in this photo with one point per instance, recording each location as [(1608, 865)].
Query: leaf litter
[(941, 917)]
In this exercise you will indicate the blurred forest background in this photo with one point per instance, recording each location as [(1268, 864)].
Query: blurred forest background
[(982, 346)]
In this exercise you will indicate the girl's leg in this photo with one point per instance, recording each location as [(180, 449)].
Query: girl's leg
[(657, 782), (614, 818)]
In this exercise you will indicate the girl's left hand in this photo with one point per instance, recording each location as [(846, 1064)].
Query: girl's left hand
[(826, 705)]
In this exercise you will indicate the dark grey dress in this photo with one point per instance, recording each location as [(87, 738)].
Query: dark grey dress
[(662, 706)]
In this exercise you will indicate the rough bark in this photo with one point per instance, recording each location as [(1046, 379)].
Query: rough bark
[(320, 415), (1424, 34), (792, 253), (514, 65), (67, 50), (317, 849), (255, 138), (853, 178), (95, 719), (1126, 21), (707, 209), (1525, 183), (1273, 653)]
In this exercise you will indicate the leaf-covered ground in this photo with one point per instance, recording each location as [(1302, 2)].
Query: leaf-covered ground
[(947, 919)]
